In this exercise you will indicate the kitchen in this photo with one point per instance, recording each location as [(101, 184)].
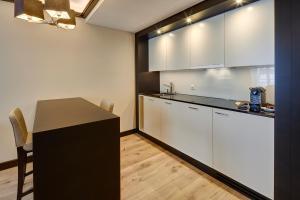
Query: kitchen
[(208, 63), (204, 99)]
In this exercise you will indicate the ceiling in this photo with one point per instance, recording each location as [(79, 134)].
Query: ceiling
[(78, 5), (135, 15)]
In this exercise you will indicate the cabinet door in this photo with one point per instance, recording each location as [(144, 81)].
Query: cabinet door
[(243, 149), (196, 132), (152, 117), (249, 33), (157, 53), (178, 49), (188, 128), (207, 43), (169, 122)]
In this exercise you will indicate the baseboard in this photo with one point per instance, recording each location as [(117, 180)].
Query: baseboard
[(208, 170), (12, 163), (129, 132)]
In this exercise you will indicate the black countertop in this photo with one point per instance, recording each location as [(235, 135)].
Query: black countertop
[(62, 113), (209, 101)]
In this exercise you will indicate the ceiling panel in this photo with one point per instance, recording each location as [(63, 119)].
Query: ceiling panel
[(135, 15)]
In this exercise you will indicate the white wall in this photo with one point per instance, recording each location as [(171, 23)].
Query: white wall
[(43, 62), (228, 83)]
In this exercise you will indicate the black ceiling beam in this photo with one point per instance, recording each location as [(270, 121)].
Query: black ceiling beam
[(198, 12), (88, 9)]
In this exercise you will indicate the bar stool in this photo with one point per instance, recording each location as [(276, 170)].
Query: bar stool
[(23, 149), (107, 105)]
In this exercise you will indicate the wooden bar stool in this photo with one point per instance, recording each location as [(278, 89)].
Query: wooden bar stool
[(107, 105), (24, 147)]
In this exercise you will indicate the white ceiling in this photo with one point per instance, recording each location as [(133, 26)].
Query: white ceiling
[(78, 5), (135, 15)]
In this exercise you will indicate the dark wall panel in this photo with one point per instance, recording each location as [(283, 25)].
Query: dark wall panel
[(287, 122), (295, 100), (145, 81)]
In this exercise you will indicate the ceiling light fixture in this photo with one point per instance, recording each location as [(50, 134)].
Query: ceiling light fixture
[(29, 10), (158, 31), (189, 20), (239, 2), (58, 9), (57, 12), (67, 23)]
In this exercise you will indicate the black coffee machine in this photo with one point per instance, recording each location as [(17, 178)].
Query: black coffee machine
[(257, 98)]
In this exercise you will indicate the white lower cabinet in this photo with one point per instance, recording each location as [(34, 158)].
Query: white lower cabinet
[(239, 145), (196, 132), (152, 117), (243, 149), (188, 128), (169, 122), (193, 134)]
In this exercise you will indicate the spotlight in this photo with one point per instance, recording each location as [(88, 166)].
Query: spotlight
[(239, 2), (189, 20)]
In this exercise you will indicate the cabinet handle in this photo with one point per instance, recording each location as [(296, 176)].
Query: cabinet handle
[(193, 108), (223, 114), (168, 103)]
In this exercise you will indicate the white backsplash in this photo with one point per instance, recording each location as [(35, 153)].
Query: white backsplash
[(228, 83)]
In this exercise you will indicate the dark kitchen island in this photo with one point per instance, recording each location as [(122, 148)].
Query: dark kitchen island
[(76, 151)]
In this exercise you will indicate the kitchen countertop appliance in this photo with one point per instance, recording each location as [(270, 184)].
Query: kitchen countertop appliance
[(257, 98)]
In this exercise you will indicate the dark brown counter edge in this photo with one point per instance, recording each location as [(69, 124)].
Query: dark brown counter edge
[(261, 114), (76, 125), (208, 170)]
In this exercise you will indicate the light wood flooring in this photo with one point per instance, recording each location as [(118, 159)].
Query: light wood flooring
[(148, 173)]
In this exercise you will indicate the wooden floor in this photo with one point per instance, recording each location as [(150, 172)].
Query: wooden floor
[(148, 173)]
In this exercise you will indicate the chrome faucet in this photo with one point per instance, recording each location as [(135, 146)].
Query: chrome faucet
[(171, 87)]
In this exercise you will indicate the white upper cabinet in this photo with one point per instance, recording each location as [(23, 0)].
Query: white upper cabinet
[(207, 43), (157, 53), (241, 37), (178, 49), (249, 35)]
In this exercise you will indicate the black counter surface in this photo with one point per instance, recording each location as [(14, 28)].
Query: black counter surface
[(210, 102)]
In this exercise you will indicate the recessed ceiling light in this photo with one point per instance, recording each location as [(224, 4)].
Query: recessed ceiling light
[(188, 20), (158, 31)]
